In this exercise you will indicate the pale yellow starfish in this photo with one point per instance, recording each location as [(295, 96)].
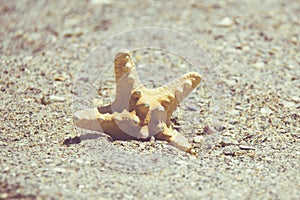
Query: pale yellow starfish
[(138, 112)]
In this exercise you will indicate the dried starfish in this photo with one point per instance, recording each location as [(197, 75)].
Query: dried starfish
[(138, 112)]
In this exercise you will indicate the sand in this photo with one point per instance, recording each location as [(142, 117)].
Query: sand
[(243, 120)]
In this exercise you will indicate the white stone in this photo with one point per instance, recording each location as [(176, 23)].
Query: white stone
[(296, 98), (245, 147), (258, 65), (266, 111), (198, 139), (95, 2), (54, 98), (225, 22)]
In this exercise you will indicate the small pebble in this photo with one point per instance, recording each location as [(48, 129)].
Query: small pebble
[(48, 160), (75, 140), (191, 108), (225, 22), (246, 48), (3, 196), (208, 130), (289, 104), (246, 147), (296, 99), (230, 83), (79, 161), (2, 143), (291, 67), (228, 152), (258, 65), (5, 169), (60, 77), (73, 32), (294, 40), (95, 2), (219, 128), (54, 98), (67, 141), (182, 162), (229, 141), (81, 186), (198, 139), (266, 111), (193, 152), (59, 169), (47, 99), (234, 112), (239, 108)]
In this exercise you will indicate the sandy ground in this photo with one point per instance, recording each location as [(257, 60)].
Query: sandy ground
[(253, 154)]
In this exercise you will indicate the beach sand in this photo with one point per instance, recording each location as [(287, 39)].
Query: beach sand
[(243, 120)]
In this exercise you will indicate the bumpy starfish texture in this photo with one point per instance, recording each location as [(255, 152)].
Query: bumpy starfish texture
[(138, 112)]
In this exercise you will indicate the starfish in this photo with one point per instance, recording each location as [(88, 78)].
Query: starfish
[(138, 112)]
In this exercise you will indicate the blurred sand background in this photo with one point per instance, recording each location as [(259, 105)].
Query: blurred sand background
[(255, 47)]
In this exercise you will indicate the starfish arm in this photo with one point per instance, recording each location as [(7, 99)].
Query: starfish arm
[(92, 119), (123, 65), (175, 138), (126, 79), (174, 92)]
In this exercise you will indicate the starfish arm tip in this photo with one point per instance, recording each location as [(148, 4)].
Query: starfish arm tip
[(90, 119), (176, 139), (194, 77)]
